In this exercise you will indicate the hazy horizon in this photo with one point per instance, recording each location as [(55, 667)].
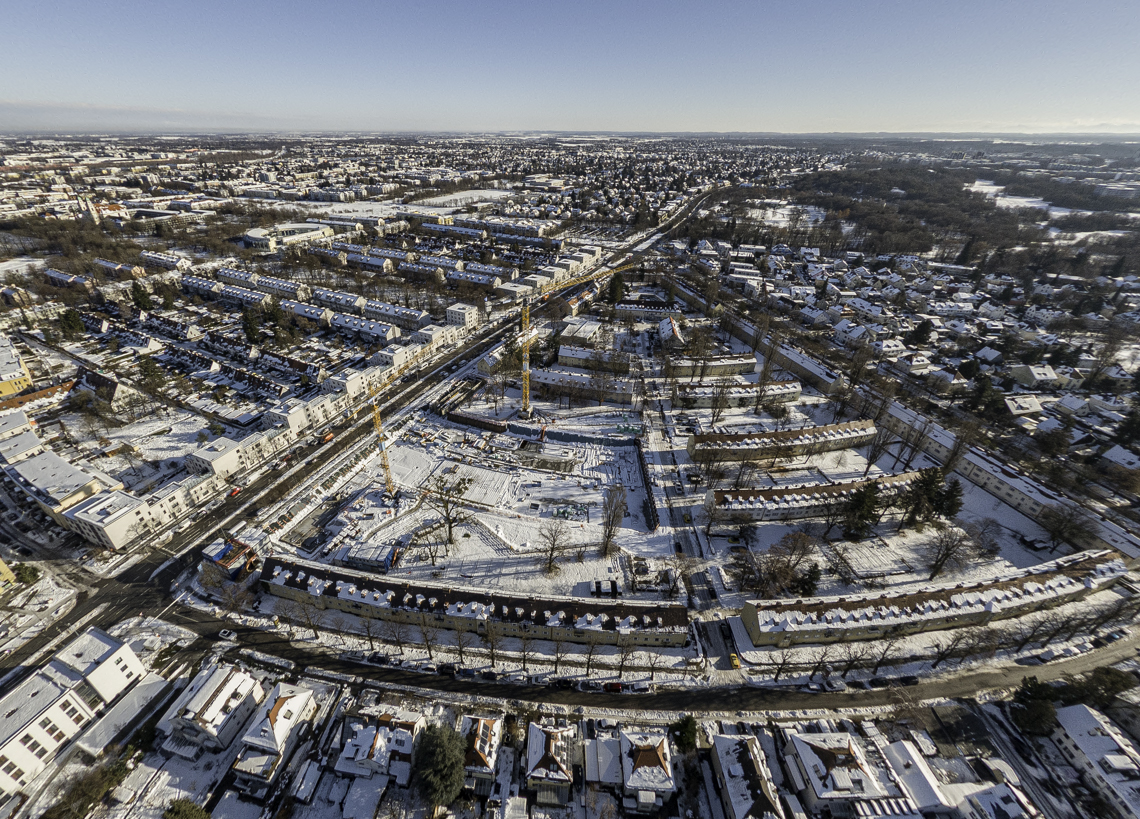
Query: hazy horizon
[(668, 67)]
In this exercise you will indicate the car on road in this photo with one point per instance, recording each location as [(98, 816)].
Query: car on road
[(732, 658), (227, 634), (235, 491), (909, 679)]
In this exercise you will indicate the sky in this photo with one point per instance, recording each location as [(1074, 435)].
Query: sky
[(813, 66)]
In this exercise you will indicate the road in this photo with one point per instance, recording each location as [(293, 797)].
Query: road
[(145, 589)]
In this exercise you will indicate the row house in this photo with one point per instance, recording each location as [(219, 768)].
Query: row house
[(291, 365), (321, 316), (363, 328), (384, 597), (200, 286), (339, 301), (406, 318)]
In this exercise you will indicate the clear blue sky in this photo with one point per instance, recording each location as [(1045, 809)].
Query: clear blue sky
[(575, 65)]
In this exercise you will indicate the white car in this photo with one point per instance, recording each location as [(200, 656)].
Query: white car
[(226, 634)]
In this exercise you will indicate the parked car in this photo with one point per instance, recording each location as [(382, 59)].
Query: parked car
[(226, 634), (490, 675), (613, 688), (447, 668), (732, 658)]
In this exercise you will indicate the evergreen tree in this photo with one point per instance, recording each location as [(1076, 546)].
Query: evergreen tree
[(439, 764), (141, 297), (71, 325), (251, 325), (948, 499), (861, 511), (617, 288)]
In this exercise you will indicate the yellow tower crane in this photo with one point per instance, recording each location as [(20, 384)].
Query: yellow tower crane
[(526, 338), (389, 484)]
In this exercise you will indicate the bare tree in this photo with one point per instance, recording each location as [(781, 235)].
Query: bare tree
[(560, 647), (493, 638), (1067, 522), (951, 548), (446, 497), (820, 659), (744, 472), (593, 646), (290, 610), (885, 650), (853, 653), (463, 641), (952, 643), (310, 614), (656, 660), (984, 533), (783, 660), (613, 513), (720, 398), (526, 650), (554, 537), (626, 650), (964, 440), (682, 567), (833, 511), (877, 448), (371, 630), (396, 633), (430, 636)]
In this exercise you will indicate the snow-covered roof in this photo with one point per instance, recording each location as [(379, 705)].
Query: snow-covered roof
[(548, 753)]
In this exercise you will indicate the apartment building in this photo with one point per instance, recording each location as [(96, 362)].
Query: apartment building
[(167, 261), (14, 374), (208, 715), (1107, 760), (40, 716), (465, 316)]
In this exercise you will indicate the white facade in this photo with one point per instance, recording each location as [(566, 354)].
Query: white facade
[(463, 315), (47, 710), (213, 709)]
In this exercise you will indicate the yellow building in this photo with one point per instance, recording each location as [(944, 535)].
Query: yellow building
[(7, 579), (14, 375)]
